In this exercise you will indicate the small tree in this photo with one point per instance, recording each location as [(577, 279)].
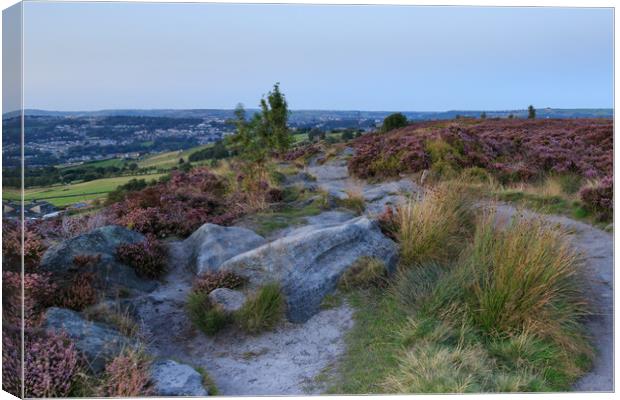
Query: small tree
[(531, 112), (483, 115), (393, 121), (510, 116)]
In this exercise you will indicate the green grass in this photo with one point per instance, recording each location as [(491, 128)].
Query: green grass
[(204, 315), (263, 310), (63, 195), (372, 344), (207, 381)]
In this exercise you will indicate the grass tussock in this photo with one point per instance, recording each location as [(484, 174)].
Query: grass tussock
[(263, 310), (207, 317), (436, 227), (525, 279)]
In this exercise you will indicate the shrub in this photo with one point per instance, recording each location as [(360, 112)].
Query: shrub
[(148, 257), (204, 315), (210, 281), (263, 310), (51, 364), (435, 228), (127, 375), (394, 121), (599, 198), (365, 272)]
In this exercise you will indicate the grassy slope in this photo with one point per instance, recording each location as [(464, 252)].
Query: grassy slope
[(63, 195)]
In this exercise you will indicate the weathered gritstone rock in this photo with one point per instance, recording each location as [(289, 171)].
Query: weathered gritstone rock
[(227, 299), (309, 263), (101, 242), (211, 245), (173, 379), (97, 342)]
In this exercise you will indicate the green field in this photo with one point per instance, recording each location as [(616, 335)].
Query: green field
[(112, 162), (63, 195), (170, 158)]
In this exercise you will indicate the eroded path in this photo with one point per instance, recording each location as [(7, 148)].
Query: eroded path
[(284, 361)]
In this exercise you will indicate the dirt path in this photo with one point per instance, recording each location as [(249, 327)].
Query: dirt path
[(597, 247), (285, 361)]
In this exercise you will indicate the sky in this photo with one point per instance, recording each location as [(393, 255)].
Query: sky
[(91, 56)]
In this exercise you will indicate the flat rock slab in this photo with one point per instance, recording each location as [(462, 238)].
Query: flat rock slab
[(308, 262), (171, 378)]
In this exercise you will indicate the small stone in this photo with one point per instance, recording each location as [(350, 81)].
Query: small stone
[(171, 378), (227, 299)]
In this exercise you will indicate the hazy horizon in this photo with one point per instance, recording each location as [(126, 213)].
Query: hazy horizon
[(102, 56)]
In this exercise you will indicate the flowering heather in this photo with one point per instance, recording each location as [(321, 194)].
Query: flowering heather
[(11, 360), (511, 149), (599, 197), (177, 207), (11, 246), (127, 375), (51, 364), (148, 257), (78, 292), (38, 294)]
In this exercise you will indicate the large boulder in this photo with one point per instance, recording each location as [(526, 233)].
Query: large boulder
[(308, 263), (171, 378), (211, 245), (101, 242), (97, 342)]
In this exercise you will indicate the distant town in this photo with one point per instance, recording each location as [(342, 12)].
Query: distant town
[(54, 138)]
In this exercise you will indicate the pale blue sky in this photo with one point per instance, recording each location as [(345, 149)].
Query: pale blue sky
[(90, 56)]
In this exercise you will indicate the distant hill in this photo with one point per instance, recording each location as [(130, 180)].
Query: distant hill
[(297, 115)]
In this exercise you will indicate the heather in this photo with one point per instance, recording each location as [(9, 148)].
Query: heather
[(510, 149), (598, 197), (148, 257), (190, 199)]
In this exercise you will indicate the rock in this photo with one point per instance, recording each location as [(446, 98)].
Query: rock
[(308, 263), (171, 378), (97, 342), (211, 245), (227, 299), (101, 242)]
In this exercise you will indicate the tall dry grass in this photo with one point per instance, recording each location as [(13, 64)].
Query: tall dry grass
[(526, 277), (436, 227)]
